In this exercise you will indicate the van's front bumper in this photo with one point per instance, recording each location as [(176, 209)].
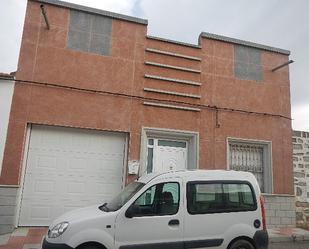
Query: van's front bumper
[(47, 245), (260, 239)]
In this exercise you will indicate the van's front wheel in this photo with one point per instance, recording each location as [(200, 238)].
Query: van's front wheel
[(241, 244)]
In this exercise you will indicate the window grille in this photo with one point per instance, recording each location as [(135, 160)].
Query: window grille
[(248, 157)]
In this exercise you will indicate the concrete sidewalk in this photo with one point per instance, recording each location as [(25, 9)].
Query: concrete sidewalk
[(288, 238), (23, 238), (31, 238)]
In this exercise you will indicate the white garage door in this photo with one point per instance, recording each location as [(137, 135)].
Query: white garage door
[(69, 168)]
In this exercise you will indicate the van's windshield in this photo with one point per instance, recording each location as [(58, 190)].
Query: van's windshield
[(123, 197)]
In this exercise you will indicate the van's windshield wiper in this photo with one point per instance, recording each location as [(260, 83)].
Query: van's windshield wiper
[(104, 207)]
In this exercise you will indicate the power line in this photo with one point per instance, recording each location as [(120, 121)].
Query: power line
[(215, 108)]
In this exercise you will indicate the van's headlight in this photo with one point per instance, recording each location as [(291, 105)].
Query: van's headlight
[(58, 230)]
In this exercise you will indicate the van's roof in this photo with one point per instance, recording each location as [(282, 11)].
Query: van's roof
[(195, 175)]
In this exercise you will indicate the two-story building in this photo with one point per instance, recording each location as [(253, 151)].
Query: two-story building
[(98, 102)]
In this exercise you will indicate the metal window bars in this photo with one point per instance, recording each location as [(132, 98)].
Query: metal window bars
[(248, 157)]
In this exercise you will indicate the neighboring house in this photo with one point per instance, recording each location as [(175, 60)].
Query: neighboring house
[(97, 101), (301, 176), (7, 194)]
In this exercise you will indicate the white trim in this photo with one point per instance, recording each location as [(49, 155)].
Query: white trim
[(174, 42), (186, 82), (22, 175), (147, 89), (125, 161), (267, 146), (152, 50), (191, 70), (9, 186), (172, 106)]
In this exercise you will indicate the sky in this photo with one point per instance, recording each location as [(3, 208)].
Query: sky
[(277, 23)]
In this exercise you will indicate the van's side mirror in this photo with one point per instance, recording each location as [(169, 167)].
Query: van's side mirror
[(132, 211)]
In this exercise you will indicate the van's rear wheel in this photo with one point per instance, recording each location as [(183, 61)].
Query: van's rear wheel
[(241, 244)]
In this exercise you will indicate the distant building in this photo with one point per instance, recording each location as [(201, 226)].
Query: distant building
[(301, 176), (98, 101)]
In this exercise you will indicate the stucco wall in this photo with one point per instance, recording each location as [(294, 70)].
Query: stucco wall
[(61, 86), (44, 57)]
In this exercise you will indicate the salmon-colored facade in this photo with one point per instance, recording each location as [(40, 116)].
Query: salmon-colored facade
[(59, 86)]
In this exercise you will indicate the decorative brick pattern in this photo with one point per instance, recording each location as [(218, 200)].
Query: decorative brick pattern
[(301, 177), (280, 211)]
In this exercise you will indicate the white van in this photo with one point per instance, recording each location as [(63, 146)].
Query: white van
[(182, 209)]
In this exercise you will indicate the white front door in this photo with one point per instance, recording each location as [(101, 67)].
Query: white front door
[(167, 155)]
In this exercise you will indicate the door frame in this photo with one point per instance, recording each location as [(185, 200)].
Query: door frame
[(22, 173), (191, 137)]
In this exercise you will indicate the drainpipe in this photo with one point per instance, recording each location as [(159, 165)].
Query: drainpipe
[(282, 65)]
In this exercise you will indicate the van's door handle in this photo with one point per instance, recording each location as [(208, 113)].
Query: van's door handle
[(173, 223)]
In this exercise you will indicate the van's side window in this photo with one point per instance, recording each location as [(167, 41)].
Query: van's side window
[(219, 197), (160, 199)]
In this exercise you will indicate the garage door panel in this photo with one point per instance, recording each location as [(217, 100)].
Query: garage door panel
[(41, 211), (39, 215), (78, 140), (67, 169), (65, 187), (44, 162)]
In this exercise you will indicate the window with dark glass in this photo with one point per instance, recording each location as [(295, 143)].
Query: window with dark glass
[(219, 197), (160, 199)]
